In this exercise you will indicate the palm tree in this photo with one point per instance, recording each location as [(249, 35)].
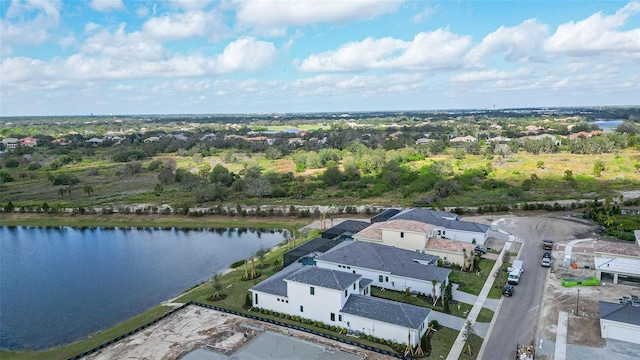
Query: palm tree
[(217, 286), (464, 259), (433, 290)]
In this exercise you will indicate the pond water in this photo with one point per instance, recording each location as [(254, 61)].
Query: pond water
[(59, 285), (608, 125)]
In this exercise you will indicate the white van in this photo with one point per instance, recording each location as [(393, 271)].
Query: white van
[(514, 277), (517, 265)]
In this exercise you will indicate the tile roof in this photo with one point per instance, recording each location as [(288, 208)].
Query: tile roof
[(449, 245), (387, 259), (365, 282), (374, 231), (387, 311), (331, 279), (275, 284), (624, 313), (628, 249), (440, 218)]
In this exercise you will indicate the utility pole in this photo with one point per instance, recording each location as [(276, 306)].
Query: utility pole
[(578, 304)]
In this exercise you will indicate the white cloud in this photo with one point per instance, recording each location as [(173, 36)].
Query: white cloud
[(191, 4), (176, 25), (520, 43), (354, 56), (106, 5), (67, 41), (142, 12), (598, 34), (90, 27), (246, 54), (492, 75), (29, 22), (283, 13), (438, 49), (423, 15)]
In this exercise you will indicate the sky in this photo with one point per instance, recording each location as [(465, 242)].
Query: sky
[(122, 57)]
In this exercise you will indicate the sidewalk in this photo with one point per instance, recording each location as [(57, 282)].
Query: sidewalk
[(458, 345)]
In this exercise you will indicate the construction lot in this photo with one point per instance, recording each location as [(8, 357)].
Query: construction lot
[(227, 337)]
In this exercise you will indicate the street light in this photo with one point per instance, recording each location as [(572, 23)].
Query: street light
[(578, 304)]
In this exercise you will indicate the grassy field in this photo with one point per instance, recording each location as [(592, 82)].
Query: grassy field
[(32, 188), (471, 282), (460, 311)]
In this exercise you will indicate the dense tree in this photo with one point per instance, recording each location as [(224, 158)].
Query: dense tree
[(221, 175)]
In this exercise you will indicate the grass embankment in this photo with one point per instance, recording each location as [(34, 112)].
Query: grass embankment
[(161, 221), (475, 342), (471, 282)]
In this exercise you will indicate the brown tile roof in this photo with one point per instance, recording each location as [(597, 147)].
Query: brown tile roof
[(630, 249), (448, 245), (374, 231)]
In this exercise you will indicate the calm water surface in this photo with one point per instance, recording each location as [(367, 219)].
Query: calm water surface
[(59, 285)]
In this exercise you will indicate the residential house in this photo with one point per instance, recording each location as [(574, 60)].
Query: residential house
[(61, 141), (463, 139), (620, 321), (447, 225), (28, 142), (585, 134), (616, 260), (344, 228), (94, 141), (151, 139), (451, 251), (334, 297), (10, 143), (405, 234), (387, 267)]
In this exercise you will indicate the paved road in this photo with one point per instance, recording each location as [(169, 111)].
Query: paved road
[(518, 316)]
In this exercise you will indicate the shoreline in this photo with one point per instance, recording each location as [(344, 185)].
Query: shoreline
[(105, 335)]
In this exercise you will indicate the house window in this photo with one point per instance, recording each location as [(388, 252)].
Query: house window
[(287, 301), (256, 299), (443, 232), (301, 308), (439, 232), (354, 286), (380, 278), (345, 293), (386, 278), (402, 234), (312, 290), (333, 317), (366, 291), (339, 317), (278, 299)]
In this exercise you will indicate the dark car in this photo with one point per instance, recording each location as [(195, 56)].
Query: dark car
[(546, 254), (481, 250), (508, 290)]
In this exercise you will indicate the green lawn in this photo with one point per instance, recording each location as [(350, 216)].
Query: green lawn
[(475, 342), (442, 342), (485, 315), (460, 309), (471, 282)]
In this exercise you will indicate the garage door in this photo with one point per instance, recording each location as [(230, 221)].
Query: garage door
[(624, 333)]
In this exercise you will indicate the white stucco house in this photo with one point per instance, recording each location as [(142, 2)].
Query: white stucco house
[(617, 260), (337, 298), (620, 322), (411, 228), (387, 267)]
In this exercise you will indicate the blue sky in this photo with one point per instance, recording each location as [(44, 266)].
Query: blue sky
[(274, 56)]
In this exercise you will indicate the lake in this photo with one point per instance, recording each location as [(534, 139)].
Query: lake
[(59, 285), (608, 125)]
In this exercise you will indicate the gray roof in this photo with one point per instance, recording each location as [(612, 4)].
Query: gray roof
[(387, 311), (387, 259), (365, 282), (440, 218), (330, 279), (624, 313), (275, 284)]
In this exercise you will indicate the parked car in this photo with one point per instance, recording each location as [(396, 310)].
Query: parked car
[(546, 262), (546, 254), (507, 290), (547, 244), (480, 249)]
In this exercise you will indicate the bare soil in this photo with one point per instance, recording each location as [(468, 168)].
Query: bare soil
[(195, 327)]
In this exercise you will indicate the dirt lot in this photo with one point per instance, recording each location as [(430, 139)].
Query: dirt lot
[(196, 327), (584, 325)]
